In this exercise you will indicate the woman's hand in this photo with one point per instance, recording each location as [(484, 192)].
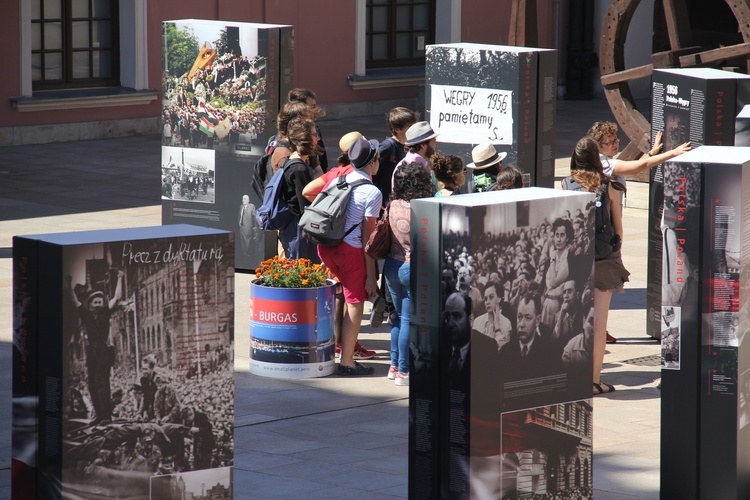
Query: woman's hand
[(682, 148), (371, 286), (657, 144)]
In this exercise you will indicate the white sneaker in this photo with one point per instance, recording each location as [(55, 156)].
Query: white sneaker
[(392, 371), (402, 379)]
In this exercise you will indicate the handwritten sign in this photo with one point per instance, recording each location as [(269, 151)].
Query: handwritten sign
[(469, 115), (184, 252)]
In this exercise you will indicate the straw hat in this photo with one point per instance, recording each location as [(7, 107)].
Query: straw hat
[(347, 140), (484, 155)]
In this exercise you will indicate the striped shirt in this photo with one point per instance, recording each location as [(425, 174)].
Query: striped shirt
[(365, 201)]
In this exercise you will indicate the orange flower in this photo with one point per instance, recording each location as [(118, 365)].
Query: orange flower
[(291, 273)]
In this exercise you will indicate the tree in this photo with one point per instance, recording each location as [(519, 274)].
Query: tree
[(182, 48), (221, 43)]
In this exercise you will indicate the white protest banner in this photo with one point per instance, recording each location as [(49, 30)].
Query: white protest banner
[(470, 115)]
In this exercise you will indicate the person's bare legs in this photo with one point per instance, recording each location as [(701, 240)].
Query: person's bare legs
[(601, 313), (350, 331)]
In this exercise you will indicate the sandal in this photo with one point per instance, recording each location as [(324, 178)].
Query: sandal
[(602, 388)]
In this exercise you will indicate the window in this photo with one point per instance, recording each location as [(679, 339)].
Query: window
[(397, 32), (74, 43)]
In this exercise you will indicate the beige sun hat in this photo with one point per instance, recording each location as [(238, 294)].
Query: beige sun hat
[(485, 155), (347, 140)]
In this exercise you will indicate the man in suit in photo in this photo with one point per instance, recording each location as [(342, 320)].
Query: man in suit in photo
[(569, 321), (458, 321), (249, 229), (475, 398), (529, 354)]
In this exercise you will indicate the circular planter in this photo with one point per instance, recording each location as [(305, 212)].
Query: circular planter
[(291, 331)]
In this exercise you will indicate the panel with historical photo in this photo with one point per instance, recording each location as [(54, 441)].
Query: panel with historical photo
[(527, 276), (214, 484), (480, 260), (188, 174), (517, 308), (479, 93), (671, 337), (703, 229), (148, 372), (223, 84), (547, 452), (701, 105), (214, 86)]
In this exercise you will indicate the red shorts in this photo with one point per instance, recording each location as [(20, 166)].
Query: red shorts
[(348, 265)]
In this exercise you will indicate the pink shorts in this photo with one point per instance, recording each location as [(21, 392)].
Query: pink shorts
[(348, 265)]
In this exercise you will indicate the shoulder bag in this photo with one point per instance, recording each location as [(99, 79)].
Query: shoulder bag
[(378, 246)]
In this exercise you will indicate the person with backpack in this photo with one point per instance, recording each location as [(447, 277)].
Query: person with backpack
[(355, 270), (605, 135), (587, 174), (303, 139), (318, 161), (310, 192), (344, 167), (279, 146)]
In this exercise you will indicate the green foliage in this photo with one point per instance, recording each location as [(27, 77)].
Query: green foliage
[(221, 44), (182, 49)]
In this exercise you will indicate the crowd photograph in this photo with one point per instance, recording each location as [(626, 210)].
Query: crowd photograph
[(149, 388), (217, 98), (188, 175)]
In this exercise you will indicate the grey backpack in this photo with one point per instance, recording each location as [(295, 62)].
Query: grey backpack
[(324, 221)]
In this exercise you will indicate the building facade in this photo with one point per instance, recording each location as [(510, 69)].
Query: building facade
[(86, 69)]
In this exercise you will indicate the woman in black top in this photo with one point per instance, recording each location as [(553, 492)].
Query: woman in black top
[(303, 140)]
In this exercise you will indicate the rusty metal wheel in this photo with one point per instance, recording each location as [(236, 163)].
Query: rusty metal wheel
[(685, 51)]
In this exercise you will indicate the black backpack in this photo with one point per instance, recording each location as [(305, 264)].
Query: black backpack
[(606, 240)]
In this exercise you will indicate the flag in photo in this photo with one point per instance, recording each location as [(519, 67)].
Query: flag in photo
[(207, 119)]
